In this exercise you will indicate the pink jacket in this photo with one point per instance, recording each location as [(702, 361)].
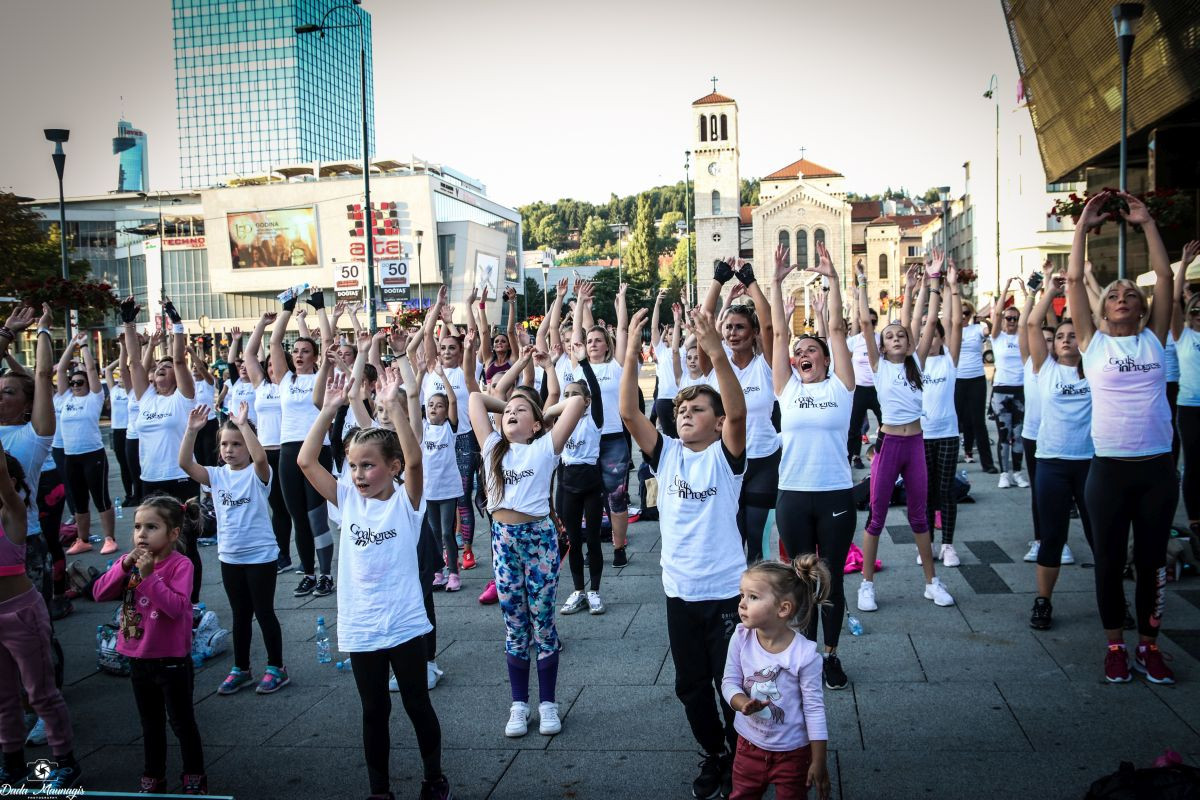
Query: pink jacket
[(164, 602)]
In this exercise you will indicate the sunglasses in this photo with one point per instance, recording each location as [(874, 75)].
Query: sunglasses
[(1011, 319), (75, 384)]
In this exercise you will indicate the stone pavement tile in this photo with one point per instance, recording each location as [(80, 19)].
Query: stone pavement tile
[(1095, 710), (600, 662), (650, 714), (1021, 576), (923, 717), (79, 661), (875, 658), (103, 711), (902, 603), (983, 656), (1072, 610), (640, 563), (259, 717), (841, 718), (118, 767), (634, 589), (649, 623), (612, 624)]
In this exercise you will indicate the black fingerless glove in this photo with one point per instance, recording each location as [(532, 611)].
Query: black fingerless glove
[(316, 299), (290, 304), (129, 310), (722, 272), (172, 313), (746, 274)]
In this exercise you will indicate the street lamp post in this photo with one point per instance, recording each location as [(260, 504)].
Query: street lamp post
[(369, 212), (944, 194), (1125, 16), (58, 136), (993, 93), (162, 260), (420, 280), (547, 262), (687, 213)]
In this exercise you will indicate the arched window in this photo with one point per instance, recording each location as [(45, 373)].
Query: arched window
[(785, 239), (800, 257), (703, 129), (818, 238), (724, 128), (716, 202), (712, 127), (883, 267)]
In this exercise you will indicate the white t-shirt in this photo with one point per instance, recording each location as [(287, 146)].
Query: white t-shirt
[(939, 419), (242, 505), (296, 407), (268, 407), (58, 430), (1188, 352), (442, 481), (1007, 352), (687, 380), (1066, 401), (756, 380), (1130, 414), (970, 353), (698, 494), (162, 423), (863, 376), (380, 604), (566, 373), (242, 392), (528, 469), (23, 444), (584, 445), (815, 419), (608, 377), (134, 411), (899, 400), (1033, 401), (206, 395), (664, 369), (118, 405), (431, 384), (1172, 359), (80, 421)]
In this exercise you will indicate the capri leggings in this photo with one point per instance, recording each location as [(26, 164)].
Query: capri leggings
[(822, 523), (182, 490), (281, 521), (60, 463), (310, 516), (1008, 404), (580, 505), (122, 454), (51, 497), (760, 487), (614, 467), (941, 455), (1031, 466), (899, 456), (1060, 482), (1189, 433), (466, 455), (133, 456), (1142, 494), (87, 475)]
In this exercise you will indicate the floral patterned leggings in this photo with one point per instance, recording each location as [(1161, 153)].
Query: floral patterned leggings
[(526, 561)]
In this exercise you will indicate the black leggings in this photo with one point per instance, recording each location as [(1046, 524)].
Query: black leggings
[(760, 487), (822, 523), (1142, 494), (60, 463), (87, 475), (251, 592), (306, 506), (970, 403), (1060, 483), (182, 490), (1173, 402), (664, 407), (133, 456), (941, 456), (575, 509), (162, 688), (281, 521), (1189, 432), (50, 518), (205, 449), (120, 451), (865, 399), (1031, 465), (440, 516), (407, 662)]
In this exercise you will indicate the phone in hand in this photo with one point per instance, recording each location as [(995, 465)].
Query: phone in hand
[(1034, 282)]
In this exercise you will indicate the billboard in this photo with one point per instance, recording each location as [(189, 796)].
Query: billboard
[(393, 280), (487, 273), (285, 237)]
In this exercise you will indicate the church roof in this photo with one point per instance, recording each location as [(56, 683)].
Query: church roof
[(865, 210), (802, 169), (710, 99), (904, 220), (745, 214)]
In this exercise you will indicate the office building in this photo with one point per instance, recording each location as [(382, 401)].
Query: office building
[(251, 94), (133, 158)]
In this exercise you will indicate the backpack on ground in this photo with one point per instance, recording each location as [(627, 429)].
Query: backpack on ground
[(1173, 781), (208, 637), (107, 658)]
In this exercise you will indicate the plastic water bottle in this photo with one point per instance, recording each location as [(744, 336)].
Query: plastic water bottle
[(343, 666), (197, 614), (293, 291), (109, 565), (324, 656), (119, 509), (855, 626)]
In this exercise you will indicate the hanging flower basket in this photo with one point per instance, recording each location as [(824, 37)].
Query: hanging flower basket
[(1170, 208)]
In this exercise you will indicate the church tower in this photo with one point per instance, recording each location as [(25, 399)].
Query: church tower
[(717, 199)]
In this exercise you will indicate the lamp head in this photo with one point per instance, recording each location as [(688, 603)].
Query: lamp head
[(302, 29), (56, 135), (420, 236), (944, 193), (1125, 17), (988, 94)]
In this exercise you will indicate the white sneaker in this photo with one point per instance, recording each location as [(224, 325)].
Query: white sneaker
[(393, 686), (595, 604), (432, 674), (1005, 481), (1020, 481), (548, 721), (575, 602), (937, 553), (518, 720), (1067, 557), (950, 556), (1034, 548), (866, 596), (936, 592)]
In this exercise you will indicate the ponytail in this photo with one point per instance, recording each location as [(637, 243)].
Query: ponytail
[(913, 373), (805, 581)]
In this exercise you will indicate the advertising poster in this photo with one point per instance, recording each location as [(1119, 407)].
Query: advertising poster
[(393, 280), (487, 273), (285, 237), (347, 281)]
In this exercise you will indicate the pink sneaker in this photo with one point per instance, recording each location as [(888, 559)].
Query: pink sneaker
[(80, 546), (489, 596), (439, 580), (453, 583), (110, 546)]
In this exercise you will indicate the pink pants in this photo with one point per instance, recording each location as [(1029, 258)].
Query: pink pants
[(25, 661), (754, 769), (899, 456)]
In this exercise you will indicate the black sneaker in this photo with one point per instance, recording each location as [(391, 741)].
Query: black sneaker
[(835, 676), (307, 584), (620, 559), (283, 566), (991, 471), (324, 586), (708, 783), (438, 789), (858, 464), (1041, 617)]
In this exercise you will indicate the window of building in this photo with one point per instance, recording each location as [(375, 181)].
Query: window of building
[(882, 267), (801, 248), (712, 127), (716, 202), (912, 250), (818, 238), (785, 239), (724, 128), (703, 130)]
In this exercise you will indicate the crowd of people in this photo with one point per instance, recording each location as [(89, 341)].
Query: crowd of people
[(394, 442)]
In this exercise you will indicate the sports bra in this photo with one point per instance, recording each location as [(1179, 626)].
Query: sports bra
[(12, 557)]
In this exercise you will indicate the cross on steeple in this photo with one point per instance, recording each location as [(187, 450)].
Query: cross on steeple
[(714, 80), (803, 150)]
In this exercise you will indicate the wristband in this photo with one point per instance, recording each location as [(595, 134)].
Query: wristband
[(935, 291), (7, 333), (482, 306), (178, 328), (40, 331)]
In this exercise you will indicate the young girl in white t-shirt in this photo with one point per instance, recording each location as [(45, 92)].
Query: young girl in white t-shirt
[(246, 545), (439, 433), (381, 612), (520, 455), (773, 681)]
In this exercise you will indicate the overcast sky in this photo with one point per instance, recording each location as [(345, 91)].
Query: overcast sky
[(543, 99)]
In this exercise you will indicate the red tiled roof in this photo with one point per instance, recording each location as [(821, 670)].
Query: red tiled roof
[(865, 210), (904, 220), (710, 99), (745, 213), (803, 168)]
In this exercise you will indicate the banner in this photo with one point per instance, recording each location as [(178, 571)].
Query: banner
[(284, 237), (347, 281), (393, 280), (487, 273)]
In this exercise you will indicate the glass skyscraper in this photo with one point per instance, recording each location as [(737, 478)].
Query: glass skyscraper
[(133, 170), (251, 94)]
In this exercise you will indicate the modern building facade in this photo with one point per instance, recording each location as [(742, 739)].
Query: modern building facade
[(251, 94), (133, 158)]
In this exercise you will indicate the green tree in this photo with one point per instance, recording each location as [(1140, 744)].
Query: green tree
[(550, 231), (641, 257), (595, 234), (666, 226), (604, 297), (533, 298), (676, 278), (931, 195), (749, 191)]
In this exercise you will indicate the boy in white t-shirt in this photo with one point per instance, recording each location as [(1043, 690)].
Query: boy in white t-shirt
[(700, 478)]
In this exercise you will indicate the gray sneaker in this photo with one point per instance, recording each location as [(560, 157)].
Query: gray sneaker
[(575, 603), (595, 604)]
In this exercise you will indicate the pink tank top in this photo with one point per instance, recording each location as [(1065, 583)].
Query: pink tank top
[(12, 557)]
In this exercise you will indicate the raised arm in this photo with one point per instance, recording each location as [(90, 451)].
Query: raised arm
[(133, 348), (1092, 215), (253, 347), (485, 334), (640, 428), (302, 323), (934, 279), (998, 309), (781, 366), (277, 354), (1160, 262), (62, 368), (308, 459), (469, 365), (733, 431), (761, 305), (864, 320), (555, 318), (187, 460), (839, 350), (1093, 289), (1189, 254), (623, 331), (89, 364), (510, 299), (550, 375), (1037, 318), (501, 387), (42, 417), (1024, 332), (429, 326), (410, 446), (954, 328), (183, 374), (412, 395), (235, 346), (655, 320), (911, 282)]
